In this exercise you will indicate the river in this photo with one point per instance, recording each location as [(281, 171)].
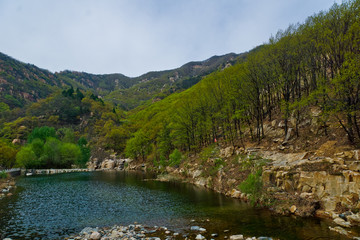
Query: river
[(56, 206)]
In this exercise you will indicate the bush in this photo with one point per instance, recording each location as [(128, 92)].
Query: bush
[(175, 158), (3, 175), (252, 185)]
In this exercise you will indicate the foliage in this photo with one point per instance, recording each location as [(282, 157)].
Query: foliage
[(46, 149), (3, 175), (175, 158), (252, 185), (41, 133), (7, 154)]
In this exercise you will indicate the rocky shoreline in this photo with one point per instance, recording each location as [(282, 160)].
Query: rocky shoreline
[(6, 187), (140, 232)]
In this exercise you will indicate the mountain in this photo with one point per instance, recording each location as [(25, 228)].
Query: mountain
[(21, 83), (158, 85)]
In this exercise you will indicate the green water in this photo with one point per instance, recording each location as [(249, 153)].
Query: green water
[(53, 207)]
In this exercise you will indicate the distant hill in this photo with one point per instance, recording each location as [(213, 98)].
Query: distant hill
[(21, 83), (157, 85)]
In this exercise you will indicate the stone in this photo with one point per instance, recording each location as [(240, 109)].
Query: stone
[(95, 236), (342, 222), (214, 235), (194, 228), (202, 229), (293, 209), (235, 193), (199, 237), (339, 230), (354, 218), (237, 237), (167, 232)]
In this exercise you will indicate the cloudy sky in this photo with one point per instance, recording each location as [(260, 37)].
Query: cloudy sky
[(136, 36)]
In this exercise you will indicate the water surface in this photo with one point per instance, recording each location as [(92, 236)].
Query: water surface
[(55, 206)]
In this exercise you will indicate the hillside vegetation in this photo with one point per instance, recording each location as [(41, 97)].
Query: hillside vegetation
[(312, 65)]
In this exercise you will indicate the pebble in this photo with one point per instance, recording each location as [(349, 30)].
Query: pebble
[(214, 235)]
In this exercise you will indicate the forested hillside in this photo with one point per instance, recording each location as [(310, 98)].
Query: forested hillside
[(306, 68)]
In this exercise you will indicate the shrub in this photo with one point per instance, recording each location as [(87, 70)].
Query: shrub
[(3, 175), (252, 185), (175, 158)]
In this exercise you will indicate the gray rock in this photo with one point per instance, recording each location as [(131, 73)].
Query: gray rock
[(264, 238), (88, 230), (214, 235), (194, 228), (202, 229)]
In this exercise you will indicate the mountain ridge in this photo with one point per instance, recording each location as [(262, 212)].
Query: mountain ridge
[(21, 83)]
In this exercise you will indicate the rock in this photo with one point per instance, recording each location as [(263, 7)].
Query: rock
[(199, 237), (88, 230), (95, 236), (354, 218), (167, 232), (342, 222), (202, 229), (235, 193), (237, 237), (264, 238), (293, 209), (214, 235), (194, 228), (340, 230), (7, 239)]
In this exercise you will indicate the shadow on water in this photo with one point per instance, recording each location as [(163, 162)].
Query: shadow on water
[(52, 207)]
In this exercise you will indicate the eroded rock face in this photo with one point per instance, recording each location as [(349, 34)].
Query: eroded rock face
[(333, 181)]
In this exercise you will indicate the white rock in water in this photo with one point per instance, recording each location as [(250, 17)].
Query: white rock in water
[(199, 237), (236, 237), (95, 236)]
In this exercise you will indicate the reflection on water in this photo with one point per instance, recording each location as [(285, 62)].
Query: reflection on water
[(52, 207)]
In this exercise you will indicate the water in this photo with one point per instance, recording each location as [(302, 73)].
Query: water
[(55, 206)]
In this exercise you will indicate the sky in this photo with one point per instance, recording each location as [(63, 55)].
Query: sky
[(133, 37)]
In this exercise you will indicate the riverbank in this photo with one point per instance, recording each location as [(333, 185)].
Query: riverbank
[(323, 183), (137, 231)]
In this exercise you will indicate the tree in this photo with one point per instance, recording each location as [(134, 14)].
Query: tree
[(138, 146)]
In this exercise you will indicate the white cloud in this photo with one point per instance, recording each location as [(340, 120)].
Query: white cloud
[(136, 36)]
